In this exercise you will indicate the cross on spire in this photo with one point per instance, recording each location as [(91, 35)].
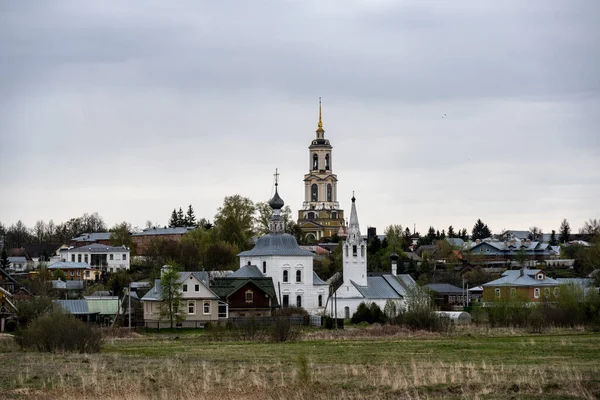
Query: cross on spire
[(276, 175)]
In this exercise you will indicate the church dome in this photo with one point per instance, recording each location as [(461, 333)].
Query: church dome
[(276, 244), (276, 202)]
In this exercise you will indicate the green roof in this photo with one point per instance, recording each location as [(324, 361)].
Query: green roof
[(103, 306), (225, 287)]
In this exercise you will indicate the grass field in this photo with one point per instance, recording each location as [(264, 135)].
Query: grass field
[(359, 364)]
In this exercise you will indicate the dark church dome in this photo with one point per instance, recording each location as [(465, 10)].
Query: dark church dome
[(276, 202)]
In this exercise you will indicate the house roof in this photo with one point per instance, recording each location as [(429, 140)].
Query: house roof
[(317, 280), (444, 288), (98, 248), (17, 259), (67, 285), (225, 287), (38, 250), (382, 287), (76, 307), (202, 276), (248, 271), (164, 231), (456, 242), (103, 306), (69, 265), (412, 256), (524, 277), (92, 237), (276, 244)]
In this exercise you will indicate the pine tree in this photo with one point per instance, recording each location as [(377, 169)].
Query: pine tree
[(553, 240), (443, 235), (4, 263), (451, 233), (173, 221), (180, 218), (480, 230), (565, 231), (190, 218)]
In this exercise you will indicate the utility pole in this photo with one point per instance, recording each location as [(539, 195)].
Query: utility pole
[(129, 303)]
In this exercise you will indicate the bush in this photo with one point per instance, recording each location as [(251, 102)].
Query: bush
[(282, 329), (58, 331), (368, 313), (28, 310), (251, 329)]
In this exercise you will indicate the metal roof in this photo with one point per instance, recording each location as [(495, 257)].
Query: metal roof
[(276, 244), (317, 280), (456, 242), (444, 288), (92, 237), (164, 231), (225, 287), (377, 288), (524, 277), (76, 307), (202, 276), (98, 248), (103, 306), (69, 265), (248, 271), (17, 259)]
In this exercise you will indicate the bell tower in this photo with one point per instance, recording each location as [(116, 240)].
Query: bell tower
[(320, 216)]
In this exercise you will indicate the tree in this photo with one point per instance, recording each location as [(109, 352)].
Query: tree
[(480, 231), (565, 231), (4, 263), (394, 235), (39, 231), (591, 227), (180, 217), (553, 239), (235, 220), (120, 235), (170, 304), (536, 234), (173, 222), (451, 233), (118, 281), (59, 274), (264, 215), (190, 217)]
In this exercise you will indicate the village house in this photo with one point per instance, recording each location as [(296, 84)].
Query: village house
[(8, 309), (76, 270), (247, 292), (100, 256), (448, 296), (90, 238), (199, 303), (530, 285)]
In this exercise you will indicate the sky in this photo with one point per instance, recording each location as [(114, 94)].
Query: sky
[(439, 112)]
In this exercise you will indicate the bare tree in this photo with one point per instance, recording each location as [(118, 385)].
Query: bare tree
[(591, 227)]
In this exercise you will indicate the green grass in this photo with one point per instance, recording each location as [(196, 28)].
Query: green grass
[(561, 365)]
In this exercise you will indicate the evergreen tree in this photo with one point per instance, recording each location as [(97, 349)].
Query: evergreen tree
[(464, 235), (180, 218), (443, 235), (431, 234), (173, 220), (437, 234), (553, 240), (451, 233), (407, 232), (565, 231), (480, 230), (4, 263), (190, 218)]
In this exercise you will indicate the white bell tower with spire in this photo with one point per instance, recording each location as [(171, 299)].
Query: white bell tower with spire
[(354, 251)]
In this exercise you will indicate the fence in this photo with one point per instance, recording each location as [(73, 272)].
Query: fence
[(298, 320)]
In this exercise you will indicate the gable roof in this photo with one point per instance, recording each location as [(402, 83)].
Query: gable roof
[(38, 250), (92, 237), (69, 265), (385, 286), (524, 277), (164, 231), (444, 288), (98, 248), (202, 276), (248, 271)]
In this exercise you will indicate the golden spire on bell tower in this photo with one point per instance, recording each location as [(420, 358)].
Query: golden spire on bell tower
[(320, 130), (320, 119)]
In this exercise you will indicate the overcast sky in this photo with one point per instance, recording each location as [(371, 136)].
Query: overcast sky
[(132, 108)]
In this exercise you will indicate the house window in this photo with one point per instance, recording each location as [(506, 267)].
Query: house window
[(285, 276), (111, 257), (222, 311), (354, 250), (78, 257), (264, 267), (556, 291), (513, 292), (191, 307), (72, 257), (536, 293), (311, 215), (320, 300), (547, 292), (185, 288), (85, 258), (346, 251), (206, 307), (249, 296), (197, 288), (451, 299), (78, 273), (540, 277), (72, 273), (497, 293), (124, 257), (87, 274), (286, 300), (298, 276), (298, 301)]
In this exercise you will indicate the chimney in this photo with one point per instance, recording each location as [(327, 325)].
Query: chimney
[(522, 271), (477, 241), (394, 258)]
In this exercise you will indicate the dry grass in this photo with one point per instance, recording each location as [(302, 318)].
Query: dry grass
[(393, 367)]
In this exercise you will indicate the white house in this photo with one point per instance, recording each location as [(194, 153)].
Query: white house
[(17, 264), (358, 286), (106, 258), (279, 257)]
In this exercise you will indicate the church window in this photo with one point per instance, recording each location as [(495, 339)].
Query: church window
[(314, 192), (191, 307), (298, 276), (347, 312), (362, 251), (311, 215), (334, 215), (315, 162), (264, 267), (249, 296), (346, 250), (354, 250), (329, 194), (327, 161), (286, 300), (249, 263), (285, 275), (298, 301), (320, 300)]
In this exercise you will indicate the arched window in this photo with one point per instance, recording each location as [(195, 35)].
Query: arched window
[(329, 194), (249, 263), (315, 161), (285, 275), (354, 250), (311, 215), (264, 267), (320, 300), (298, 276), (347, 312), (346, 250), (298, 301), (327, 162), (334, 215), (191, 307), (314, 192), (362, 251)]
